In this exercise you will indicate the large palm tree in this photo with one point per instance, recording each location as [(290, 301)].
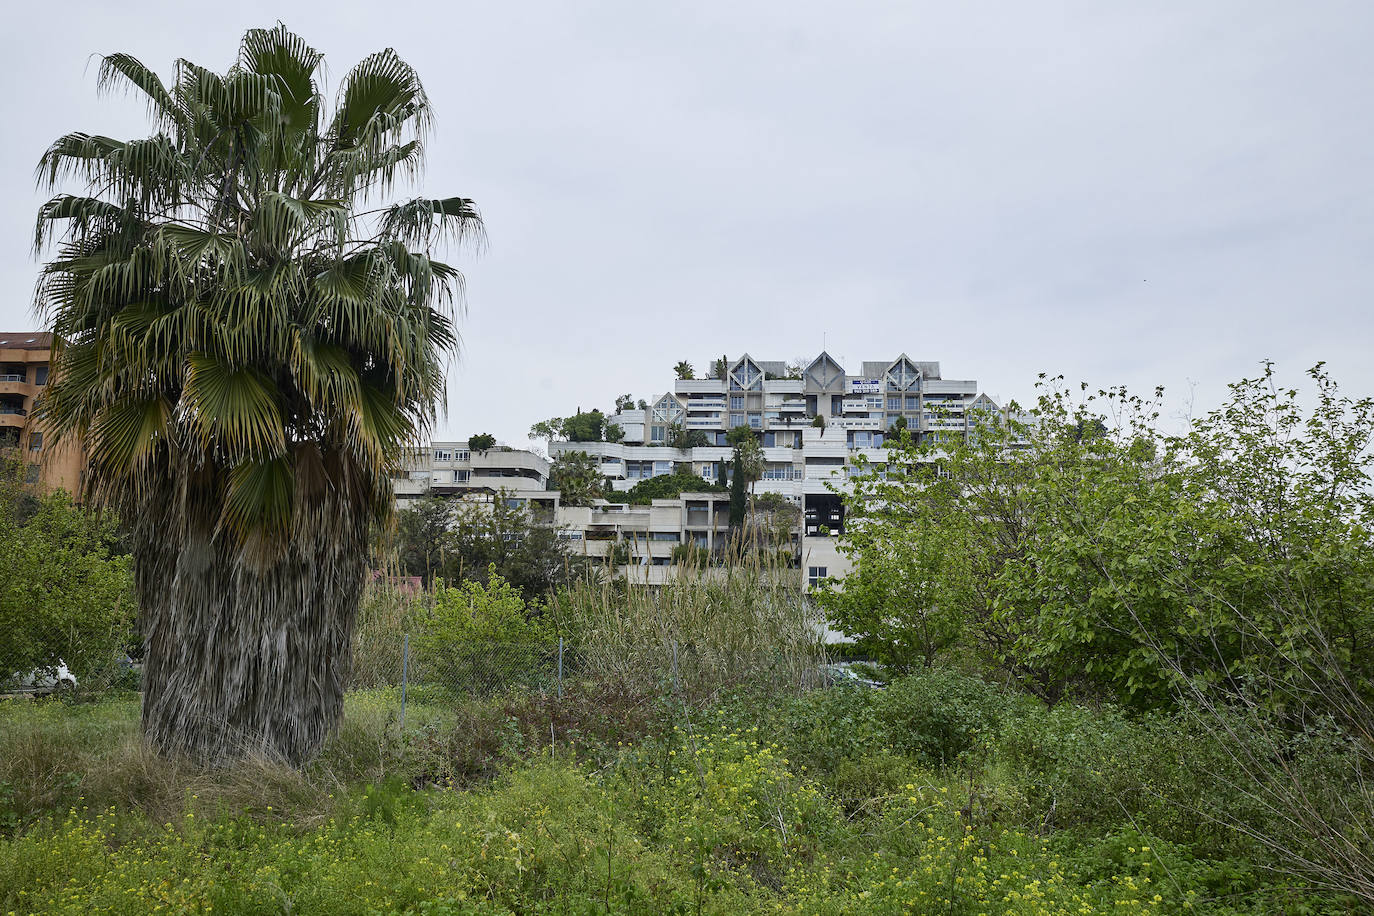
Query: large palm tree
[(248, 342)]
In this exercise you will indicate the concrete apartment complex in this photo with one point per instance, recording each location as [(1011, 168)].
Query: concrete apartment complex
[(25, 361), (812, 421)]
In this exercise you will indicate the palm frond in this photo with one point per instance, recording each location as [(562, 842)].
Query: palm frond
[(259, 498), (281, 54), (127, 71), (423, 222), (234, 409)]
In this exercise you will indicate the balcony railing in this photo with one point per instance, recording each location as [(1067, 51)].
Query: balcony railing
[(13, 378), (18, 411)]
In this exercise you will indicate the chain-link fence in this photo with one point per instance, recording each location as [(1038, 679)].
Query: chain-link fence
[(416, 671), (41, 659)]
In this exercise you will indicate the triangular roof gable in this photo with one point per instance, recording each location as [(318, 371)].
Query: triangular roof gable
[(904, 373), (825, 373), (746, 374), (667, 409)]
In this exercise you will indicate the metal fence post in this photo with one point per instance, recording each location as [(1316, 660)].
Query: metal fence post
[(405, 664), (676, 683), (560, 667)]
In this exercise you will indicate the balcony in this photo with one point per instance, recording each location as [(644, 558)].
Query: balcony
[(699, 386), (855, 406), (705, 404), (784, 385), (798, 406), (858, 423), (949, 386)]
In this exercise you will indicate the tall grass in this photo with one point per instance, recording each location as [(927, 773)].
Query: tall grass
[(385, 615), (707, 628)]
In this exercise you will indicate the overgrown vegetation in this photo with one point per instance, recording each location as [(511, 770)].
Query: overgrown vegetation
[(687, 756), (942, 793), (1225, 574)]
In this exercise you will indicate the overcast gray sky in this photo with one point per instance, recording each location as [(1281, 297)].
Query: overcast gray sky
[(1149, 193)]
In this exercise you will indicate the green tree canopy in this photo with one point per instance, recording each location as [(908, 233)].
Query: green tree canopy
[(681, 437), (585, 426), (1088, 551), (577, 477), (66, 591), (669, 486)]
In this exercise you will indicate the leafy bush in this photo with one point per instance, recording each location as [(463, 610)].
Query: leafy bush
[(482, 638), (669, 486), (931, 716), (65, 594)]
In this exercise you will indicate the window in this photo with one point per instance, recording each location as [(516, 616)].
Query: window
[(35, 441), (770, 440), (40, 375), (814, 575), (460, 476), (875, 402), (894, 403), (658, 434), (662, 467), (737, 419), (663, 536), (708, 471), (443, 454), (912, 402), (755, 421), (464, 456), (736, 402), (515, 504)]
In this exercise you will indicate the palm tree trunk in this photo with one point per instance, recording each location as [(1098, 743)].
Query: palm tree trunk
[(247, 658)]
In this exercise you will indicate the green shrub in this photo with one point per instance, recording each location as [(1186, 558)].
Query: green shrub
[(65, 594), (933, 716), (482, 638), (1103, 769)]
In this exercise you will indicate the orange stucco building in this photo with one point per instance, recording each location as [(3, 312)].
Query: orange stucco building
[(25, 362)]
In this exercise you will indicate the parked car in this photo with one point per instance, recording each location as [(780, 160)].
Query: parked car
[(42, 681), (840, 673)]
